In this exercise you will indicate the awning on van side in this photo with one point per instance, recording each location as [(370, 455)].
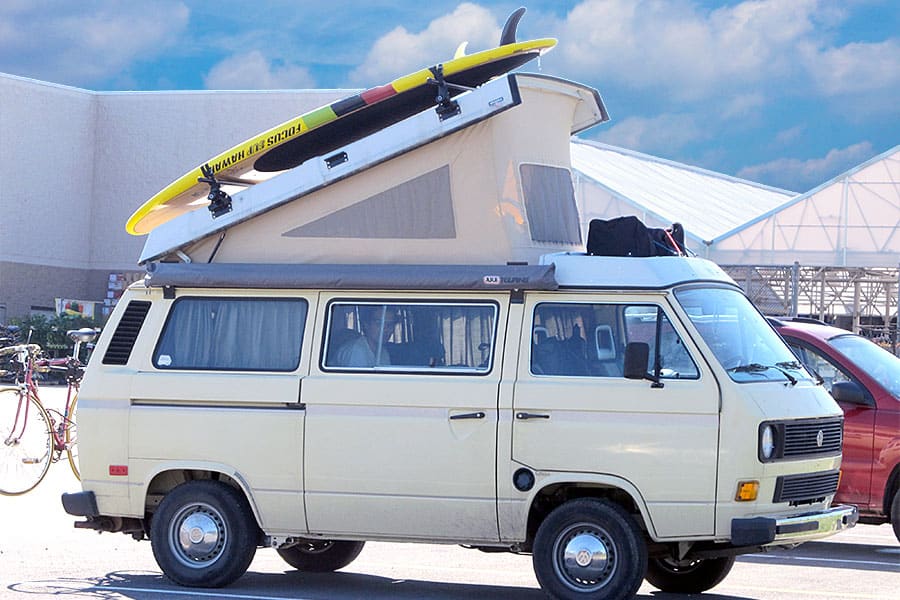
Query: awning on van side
[(352, 277)]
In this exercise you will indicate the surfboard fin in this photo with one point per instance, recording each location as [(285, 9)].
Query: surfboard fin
[(512, 23), (219, 201)]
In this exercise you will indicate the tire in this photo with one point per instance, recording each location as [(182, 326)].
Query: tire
[(692, 577), (26, 443), (204, 534), (321, 556), (72, 439), (895, 514), (590, 548)]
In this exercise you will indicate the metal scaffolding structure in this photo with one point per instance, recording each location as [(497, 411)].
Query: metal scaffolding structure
[(860, 299)]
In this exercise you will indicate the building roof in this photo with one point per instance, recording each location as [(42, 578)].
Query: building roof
[(706, 203)]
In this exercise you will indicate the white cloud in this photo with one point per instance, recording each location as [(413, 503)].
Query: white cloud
[(802, 175), (65, 43), (755, 50), (400, 51), (253, 71), (663, 134), (858, 69), (683, 48)]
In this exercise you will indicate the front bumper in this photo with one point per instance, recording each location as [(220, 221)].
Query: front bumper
[(775, 531)]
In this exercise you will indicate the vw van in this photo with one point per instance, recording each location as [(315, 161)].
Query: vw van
[(616, 418), (410, 344)]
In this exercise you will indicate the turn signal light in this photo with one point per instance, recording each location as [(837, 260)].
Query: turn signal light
[(746, 491)]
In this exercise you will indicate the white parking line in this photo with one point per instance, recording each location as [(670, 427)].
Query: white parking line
[(742, 590), (824, 560)]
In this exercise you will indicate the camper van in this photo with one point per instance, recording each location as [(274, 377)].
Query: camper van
[(414, 346)]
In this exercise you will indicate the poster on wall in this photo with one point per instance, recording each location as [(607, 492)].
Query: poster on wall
[(75, 308)]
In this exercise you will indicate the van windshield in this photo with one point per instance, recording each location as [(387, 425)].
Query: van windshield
[(739, 337)]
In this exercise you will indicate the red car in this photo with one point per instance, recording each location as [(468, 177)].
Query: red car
[(865, 380)]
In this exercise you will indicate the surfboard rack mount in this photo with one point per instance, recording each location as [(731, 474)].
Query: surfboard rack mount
[(446, 106), (219, 201)]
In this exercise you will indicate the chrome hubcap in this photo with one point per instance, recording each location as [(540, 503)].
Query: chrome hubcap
[(198, 535), (584, 557)]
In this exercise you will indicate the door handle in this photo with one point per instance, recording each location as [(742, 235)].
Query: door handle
[(524, 416), (474, 415)]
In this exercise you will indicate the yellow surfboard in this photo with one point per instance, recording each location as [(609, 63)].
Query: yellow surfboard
[(321, 130)]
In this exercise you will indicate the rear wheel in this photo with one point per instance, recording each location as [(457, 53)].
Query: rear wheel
[(203, 534), (688, 577), (26, 442), (321, 556), (590, 548), (72, 439)]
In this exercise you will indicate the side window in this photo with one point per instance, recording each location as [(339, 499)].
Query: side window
[(641, 323), (232, 334), (411, 337), (817, 363), (589, 340)]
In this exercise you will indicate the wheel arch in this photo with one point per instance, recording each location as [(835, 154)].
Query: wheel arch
[(165, 478), (555, 491)]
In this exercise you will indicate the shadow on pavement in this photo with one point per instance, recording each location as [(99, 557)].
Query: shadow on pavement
[(294, 585)]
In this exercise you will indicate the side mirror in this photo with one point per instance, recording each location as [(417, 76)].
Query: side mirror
[(851, 393), (637, 360)]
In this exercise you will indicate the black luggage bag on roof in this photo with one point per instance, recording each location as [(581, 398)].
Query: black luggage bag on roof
[(628, 236)]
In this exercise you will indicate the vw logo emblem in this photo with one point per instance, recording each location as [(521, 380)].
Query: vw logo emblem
[(820, 438), (583, 558)]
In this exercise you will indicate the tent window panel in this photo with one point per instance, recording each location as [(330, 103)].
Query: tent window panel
[(421, 208), (550, 204), (232, 334)]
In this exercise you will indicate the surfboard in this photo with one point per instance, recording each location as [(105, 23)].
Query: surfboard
[(321, 130)]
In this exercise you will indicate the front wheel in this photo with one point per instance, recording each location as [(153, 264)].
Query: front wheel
[(687, 577), (895, 514), (203, 534), (590, 549), (321, 556), (26, 442)]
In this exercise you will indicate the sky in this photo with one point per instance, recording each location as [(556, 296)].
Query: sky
[(788, 93)]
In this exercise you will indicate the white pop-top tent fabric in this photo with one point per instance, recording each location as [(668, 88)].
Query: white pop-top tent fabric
[(612, 182), (851, 221)]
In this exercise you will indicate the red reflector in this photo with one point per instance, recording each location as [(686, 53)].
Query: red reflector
[(118, 470)]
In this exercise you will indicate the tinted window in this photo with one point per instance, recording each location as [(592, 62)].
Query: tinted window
[(232, 334), (588, 340), (423, 337)]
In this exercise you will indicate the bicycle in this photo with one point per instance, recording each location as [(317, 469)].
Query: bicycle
[(32, 435)]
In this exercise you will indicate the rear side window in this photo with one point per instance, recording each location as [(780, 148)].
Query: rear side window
[(411, 337), (232, 334)]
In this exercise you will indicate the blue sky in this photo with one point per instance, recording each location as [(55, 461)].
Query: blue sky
[(789, 93)]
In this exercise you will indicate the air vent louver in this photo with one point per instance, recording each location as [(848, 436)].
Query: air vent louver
[(119, 350)]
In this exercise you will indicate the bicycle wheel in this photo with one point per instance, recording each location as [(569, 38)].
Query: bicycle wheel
[(26, 442), (72, 439)]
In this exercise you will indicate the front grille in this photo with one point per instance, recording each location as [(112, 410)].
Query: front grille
[(806, 488), (801, 438)]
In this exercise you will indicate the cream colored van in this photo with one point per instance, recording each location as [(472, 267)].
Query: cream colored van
[(619, 419)]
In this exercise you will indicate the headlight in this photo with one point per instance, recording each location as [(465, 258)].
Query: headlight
[(767, 442)]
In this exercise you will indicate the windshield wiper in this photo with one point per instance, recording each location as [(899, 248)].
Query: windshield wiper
[(757, 368)]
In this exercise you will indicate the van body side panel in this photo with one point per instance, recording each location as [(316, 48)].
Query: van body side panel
[(259, 446), (664, 441), (385, 457)]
